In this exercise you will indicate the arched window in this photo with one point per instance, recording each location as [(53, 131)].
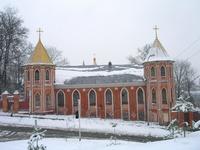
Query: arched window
[(141, 116), (76, 97), (162, 71), (37, 75), (47, 75), (153, 72), (140, 96), (164, 96), (108, 97), (153, 96), (48, 100), (61, 99), (124, 96), (92, 98), (37, 100), (28, 75)]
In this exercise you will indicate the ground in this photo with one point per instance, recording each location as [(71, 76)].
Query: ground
[(136, 128), (189, 143), (62, 134)]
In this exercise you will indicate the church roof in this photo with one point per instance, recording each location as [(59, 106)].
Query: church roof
[(40, 55), (101, 74), (157, 52)]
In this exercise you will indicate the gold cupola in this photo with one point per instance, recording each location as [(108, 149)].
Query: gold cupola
[(39, 55)]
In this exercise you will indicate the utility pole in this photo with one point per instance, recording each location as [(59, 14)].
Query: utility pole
[(79, 119)]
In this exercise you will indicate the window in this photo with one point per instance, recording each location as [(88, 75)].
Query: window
[(141, 116), (92, 98), (140, 96), (153, 96), (164, 96), (108, 97), (48, 100), (162, 71), (61, 99), (153, 72), (124, 96), (37, 75), (28, 75), (37, 100), (76, 97), (47, 75)]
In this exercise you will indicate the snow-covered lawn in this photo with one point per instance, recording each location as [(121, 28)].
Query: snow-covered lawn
[(137, 128), (189, 143)]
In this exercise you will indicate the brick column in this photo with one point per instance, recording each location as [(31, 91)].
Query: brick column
[(5, 101), (117, 103), (191, 118)]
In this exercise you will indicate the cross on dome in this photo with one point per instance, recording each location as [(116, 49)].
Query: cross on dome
[(39, 31), (156, 29)]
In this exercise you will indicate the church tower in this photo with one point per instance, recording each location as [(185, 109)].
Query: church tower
[(160, 90), (39, 80)]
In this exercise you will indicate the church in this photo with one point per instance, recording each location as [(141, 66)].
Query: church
[(128, 92)]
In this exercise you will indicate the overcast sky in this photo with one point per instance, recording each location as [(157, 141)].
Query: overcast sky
[(112, 29)]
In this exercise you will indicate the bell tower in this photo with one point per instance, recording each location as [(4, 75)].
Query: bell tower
[(158, 72), (39, 77)]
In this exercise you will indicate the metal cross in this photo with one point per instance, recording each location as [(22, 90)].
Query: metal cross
[(156, 29), (39, 31)]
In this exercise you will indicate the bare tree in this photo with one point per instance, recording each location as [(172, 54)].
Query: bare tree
[(142, 54), (184, 76), (56, 56), (12, 41)]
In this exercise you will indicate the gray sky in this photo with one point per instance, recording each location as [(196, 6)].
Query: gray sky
[(112, 29)]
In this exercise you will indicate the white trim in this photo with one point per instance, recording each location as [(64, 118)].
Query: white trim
[(121, 103), (60, 90), (73, 99), (88, 98), (144, 101), (105, 101)]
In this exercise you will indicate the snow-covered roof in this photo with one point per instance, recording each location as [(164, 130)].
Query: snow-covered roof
[(157, 53), (16, 92), (101, 74), (5, 92)]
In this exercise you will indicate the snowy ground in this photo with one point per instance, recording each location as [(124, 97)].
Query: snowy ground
[(191, 142), (136, 128)]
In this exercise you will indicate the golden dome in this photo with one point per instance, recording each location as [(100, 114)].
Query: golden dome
[(40, 55)]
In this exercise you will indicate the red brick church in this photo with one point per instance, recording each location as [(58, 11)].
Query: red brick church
[(129, 92)]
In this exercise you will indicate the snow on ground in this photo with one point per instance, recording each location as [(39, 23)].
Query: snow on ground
[(137, 128), (191, 142)]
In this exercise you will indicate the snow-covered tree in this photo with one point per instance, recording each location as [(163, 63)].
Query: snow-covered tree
[(173, 127), (183, 103), (37, 135), (196, 125)]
